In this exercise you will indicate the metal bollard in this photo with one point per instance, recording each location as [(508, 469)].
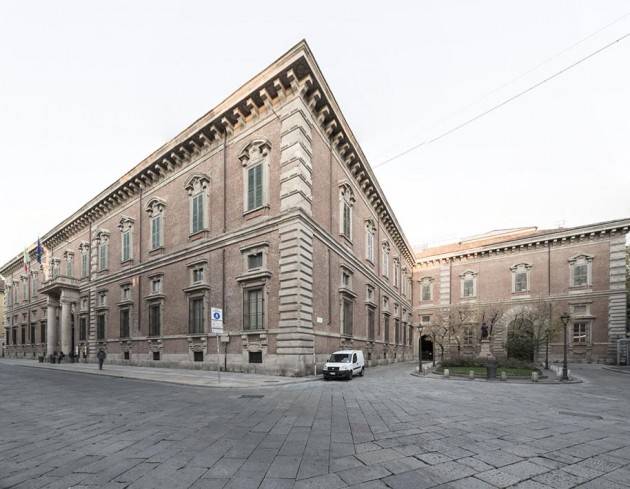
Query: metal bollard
[(503, 375), (471, 374), (534, 376), (446, 373)]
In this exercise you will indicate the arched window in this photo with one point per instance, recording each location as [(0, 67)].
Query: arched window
[(346, 201), (126, 238), (197, 188), (155, 208), (255, 161)]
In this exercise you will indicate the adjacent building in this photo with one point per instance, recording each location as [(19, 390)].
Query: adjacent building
[(511, 276), (3, 335), (265, 207)]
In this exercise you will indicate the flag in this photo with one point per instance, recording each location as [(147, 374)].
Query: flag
[(38, 252), (26, 259)]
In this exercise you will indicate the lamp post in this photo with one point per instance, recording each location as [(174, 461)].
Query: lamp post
[(547, 350), (565, 318), (419, 349)]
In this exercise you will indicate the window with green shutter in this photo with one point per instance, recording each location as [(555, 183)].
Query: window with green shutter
[(255, 187)]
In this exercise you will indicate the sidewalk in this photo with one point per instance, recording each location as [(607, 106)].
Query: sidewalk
[(199, 378)]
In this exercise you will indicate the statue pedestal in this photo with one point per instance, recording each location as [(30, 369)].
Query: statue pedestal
[(485, 352)]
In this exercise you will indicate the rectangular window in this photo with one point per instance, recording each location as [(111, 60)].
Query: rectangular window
[(580, 275), (126, 245), (100, 326), (102, 256), (156, 355), (386, 337), (347, 220), (404, 334), (468, 287), (345, 279), (197, 275), (125, 293), (396, 331), (468, 336), (520, 282), (198, 356), (42, 332), (346, 311), (197, 213), (580, 332), (32, 334), (102, 299), (426, 291), (370, 323), (156, 286), (69, 267), (253, 313), (14, 336), (124, 323), (195, 316), (255, 357), (254, 187), (254, 261), (410, 335), (370, 245), (85, 264), (83, 328), (156, 232), (155, 319)]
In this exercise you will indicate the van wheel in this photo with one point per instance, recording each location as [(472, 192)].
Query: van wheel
[(362, 371), (350, 375)]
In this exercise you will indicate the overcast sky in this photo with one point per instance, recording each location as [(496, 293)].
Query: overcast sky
[(89, 89)]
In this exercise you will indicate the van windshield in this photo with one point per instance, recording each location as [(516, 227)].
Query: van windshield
[(339, 358)]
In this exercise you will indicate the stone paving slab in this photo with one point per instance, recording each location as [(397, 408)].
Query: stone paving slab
[(387, 430)]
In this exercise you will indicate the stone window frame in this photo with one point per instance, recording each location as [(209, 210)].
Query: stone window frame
[(346, 202), (396, 278), (468, 338), (345, 277), (581, 259), (370, 240), (84, 300), (155, 299), (254, 249), (588, 328), (126, 225), (101, 299), (198, 185), (68, 257), (247, 288), (153, 279), (385, 254), (518, 268), (25, 291), (84, 251), (370, 294), (102, 243), (126, 286), (101, 313), (425, 319), (426, 281), (385, 303), (256, 153), (156, 209), (199, 265), (468, 274)]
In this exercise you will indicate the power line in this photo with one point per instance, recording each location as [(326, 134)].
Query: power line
[(524, 74), (501, 104)]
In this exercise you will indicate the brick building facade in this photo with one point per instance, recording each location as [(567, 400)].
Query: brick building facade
[(265, 207), (511, 274)]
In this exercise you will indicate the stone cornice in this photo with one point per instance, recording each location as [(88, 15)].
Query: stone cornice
[(296, 72), (552, 238)]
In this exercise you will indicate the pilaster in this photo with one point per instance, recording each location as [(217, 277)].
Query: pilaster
[(617, 298)]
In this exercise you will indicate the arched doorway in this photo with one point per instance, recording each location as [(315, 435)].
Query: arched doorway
[(426, 348), (520, 339)]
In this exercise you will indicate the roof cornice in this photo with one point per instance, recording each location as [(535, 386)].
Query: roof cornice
[(553, 236), (294, 72)]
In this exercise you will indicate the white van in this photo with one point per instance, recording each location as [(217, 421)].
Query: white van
[(344, 364)]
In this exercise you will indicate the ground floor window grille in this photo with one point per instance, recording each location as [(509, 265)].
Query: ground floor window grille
[(124, 323), (386, 327), (580, 332), (346, 316), (396, 331), (195, 316), (370, 321), (32, 334), (255, 357), (253, 309), (100, 326), (198, 356), (155, 320), (83, 328)]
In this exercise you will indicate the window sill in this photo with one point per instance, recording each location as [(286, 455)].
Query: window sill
[(256, 275), (196, 287), (580, 288), (155, 297), (346, 239), (156, 251), (370, 302), (256, 211), (128, 261), (253, 331), (101, 308), (348, 292), (125, 302), (201, 234)]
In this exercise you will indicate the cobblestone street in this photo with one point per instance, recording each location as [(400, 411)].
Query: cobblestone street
[(388, 429)]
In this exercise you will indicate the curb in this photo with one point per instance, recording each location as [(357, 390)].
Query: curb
[(497, 381), (187, 384), (617, 370)]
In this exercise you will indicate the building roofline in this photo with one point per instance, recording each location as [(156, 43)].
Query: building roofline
[(295, 70), (543, 236)]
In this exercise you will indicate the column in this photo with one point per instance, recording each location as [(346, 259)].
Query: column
[(66, 327), (51, 327)]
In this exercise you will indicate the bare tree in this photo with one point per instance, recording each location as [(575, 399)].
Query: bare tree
[(438, 330), (461, 318)]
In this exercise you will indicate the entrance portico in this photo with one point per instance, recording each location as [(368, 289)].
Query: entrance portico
[(61, 291)]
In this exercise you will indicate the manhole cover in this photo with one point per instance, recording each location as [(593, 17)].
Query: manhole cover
[(270, 381), (252, 396), (580, 415)]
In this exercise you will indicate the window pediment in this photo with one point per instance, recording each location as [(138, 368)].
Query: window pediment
[(255, 150), (125, 223), (468, 274), (521, 267), (155, 206), (198, 182), (581, 258)]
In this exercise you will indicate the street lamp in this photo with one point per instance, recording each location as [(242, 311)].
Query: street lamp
[(419, 348), (565, 318)]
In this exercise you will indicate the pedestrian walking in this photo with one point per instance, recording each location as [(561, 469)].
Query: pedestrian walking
[(101, 355)]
